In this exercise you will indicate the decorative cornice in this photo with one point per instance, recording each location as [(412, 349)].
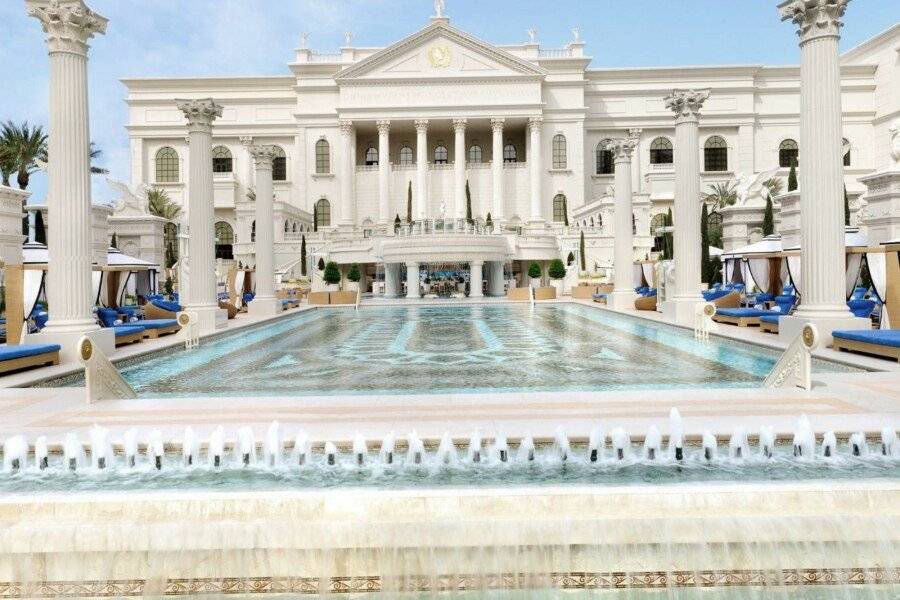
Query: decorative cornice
[(263, 155), (497, 124), (421, 125), (69, 24), (635, 134), (384, 126), (459, 124), (814, 18), (246, 140), (686, 104), (200, 114), (622, 148)]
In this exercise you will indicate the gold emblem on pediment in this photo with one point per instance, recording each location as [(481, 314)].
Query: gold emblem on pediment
[(439, 57)]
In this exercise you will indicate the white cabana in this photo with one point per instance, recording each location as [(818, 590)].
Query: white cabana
[(853, 239), (755, 263)]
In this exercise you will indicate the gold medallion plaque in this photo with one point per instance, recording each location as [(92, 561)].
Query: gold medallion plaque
[(439, 57)]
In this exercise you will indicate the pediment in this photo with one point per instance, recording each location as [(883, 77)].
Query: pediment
[(439, 51)]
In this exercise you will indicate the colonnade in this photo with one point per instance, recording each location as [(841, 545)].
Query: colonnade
[(479, 272)]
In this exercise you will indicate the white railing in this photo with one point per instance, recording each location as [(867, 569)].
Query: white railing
[(444, 227), (325, 57), (515, 165), (555, 53)]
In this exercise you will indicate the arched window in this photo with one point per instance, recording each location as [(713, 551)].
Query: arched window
[(371, 156), (170, 239), (166, 165), (656, 222), (279, 165), (221, 157), (294, 228), (560, 160), (605, 163), (224, 240), (592, 221), (715, 154), (440, 155), (714, 227), (323, 213), (475, 154), (559, 208), (661, 152), (406, 156), (788, 154), (287, 226), (323, 157), (846, 148), (509, 154), (253, 231)]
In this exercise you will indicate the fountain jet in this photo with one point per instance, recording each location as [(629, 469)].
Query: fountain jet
[(526, 449), (157, 448), (804, 439), (360, 449), (415, 449), (889, 442), (710, 446), (596, 442), (387, 448), (101, 451), (766, 441), (15, 454), (561, 443), (130, 446), (73, 451), (501, 447), (246, 446), (301, 448), (738, 445), (652, 443), (272, 448), (446, 452), (829, 444), (330, 453), (620, 442), (190, 446), (40, 453), (676, 435), (858, 446), (216, 449), (475, 447)]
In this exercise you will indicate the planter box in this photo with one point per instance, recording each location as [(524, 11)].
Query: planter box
[(584, 292), (319, 298), (519, 294), (343, 297), (535, 282), (545, 293), (352, 286)]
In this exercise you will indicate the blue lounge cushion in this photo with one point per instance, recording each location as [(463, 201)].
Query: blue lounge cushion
[(711, 295), (861, 308), (773, 319), (108, 316), (882, 337), (123, 330), (157, 323), (743, 312), (859, 293), (166, 305), (13, 352)]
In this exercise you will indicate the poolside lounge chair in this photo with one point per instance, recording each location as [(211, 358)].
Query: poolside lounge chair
[(15, 358), (878, 342), (128, 334), (861, 308), (161, 309), (742, 317), (150, 328), (730, 300), (646, 301)]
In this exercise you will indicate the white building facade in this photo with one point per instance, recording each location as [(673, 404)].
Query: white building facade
[(440, 121)]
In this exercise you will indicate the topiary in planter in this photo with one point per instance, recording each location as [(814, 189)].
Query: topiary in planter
[(534, 270), (354, 274), (321, 264), (332, 274), (557, 270)]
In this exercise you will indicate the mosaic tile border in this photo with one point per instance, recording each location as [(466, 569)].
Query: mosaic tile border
[(504, 581)]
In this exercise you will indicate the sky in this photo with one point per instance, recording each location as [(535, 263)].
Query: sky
[(156, 38)]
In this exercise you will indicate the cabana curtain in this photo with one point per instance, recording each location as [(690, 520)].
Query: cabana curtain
[(745, 273), (793, 264), (33, 282), (120, 291), (877, 263), (647, 268), (637, 276), (759, 271), (239, 287), (97, 282), (854, 264)]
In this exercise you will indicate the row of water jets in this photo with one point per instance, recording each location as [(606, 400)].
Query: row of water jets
[(16, 449)]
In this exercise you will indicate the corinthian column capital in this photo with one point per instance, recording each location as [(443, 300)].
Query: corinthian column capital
[(200, 114), (383, 126), (421, 125), (535, 123), (69, 24), (635, 134), (814, 18), (345, 126), (459, 124), (622, 148), (246, 140), (686, 104), (497, 124), (263, 155)]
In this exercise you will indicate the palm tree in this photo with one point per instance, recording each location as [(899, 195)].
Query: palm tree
[(721, 195), (7, 162), (160, 205), (95, 153), (774, 185), (25, 148)]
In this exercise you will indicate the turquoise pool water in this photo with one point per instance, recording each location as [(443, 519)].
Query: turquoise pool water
[(427, 349)]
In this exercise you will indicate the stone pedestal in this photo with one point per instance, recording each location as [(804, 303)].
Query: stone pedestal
[(201, 291), (882, 213), (140, 236), (412, 280), (69, 26), (476, 279), (392, 280), (264, 302)]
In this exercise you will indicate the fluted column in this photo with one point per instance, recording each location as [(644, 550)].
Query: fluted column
[(686, 105), (476, 279), (201, 297), (821, 173), (421, 198), (412, 280), (459, 168), (497, 171), (384, 172), (70, 294), (264, 302), (535, 163), (247, 143), (623, 250), (635, 134), (348, 174)]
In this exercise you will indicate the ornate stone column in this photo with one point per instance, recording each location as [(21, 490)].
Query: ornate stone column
[(69, 26), (412, 280), (247, 142), (384, 172), (420, 200), (391, 280), (535, 164), (686, 105), (264, 302), (348, 174), (623, 251), (495, 279), (499, 215), (459, 168), (821, 172), (201, 297), (476, 279), (636, 185)]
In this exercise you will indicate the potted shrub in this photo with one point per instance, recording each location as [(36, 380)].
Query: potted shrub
[(534, 274), (331, 276), (353, 278), (557, 273)]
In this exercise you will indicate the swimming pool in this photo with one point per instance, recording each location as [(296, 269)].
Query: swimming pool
[(444, 349)]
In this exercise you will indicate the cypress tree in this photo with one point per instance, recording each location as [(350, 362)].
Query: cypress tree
[(768, 224), (565, 211), (846, 207), (489, 222), (705, 266), (469, 218), (409, 203), (581, 251), (114, 242), (669, 250), (40, 232), (397, 223), (316, 216), (303, 255), (792, 177)]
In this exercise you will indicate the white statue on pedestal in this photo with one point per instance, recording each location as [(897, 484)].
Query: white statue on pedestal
[(439, 8), (132, 201), (532, 36), (748, 187)]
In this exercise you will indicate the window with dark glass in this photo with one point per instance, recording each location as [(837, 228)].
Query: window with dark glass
[(560, 159), (475, 154), (406, 156), (788, 154), (371, 156), (221, 157), (661, 152), (279, 165), (605, 163), (846, 147), (715, 154), (166, 165), (509, 154), (323, 213), (440, 155), (323, 157), (559, 208), (224, 240)]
